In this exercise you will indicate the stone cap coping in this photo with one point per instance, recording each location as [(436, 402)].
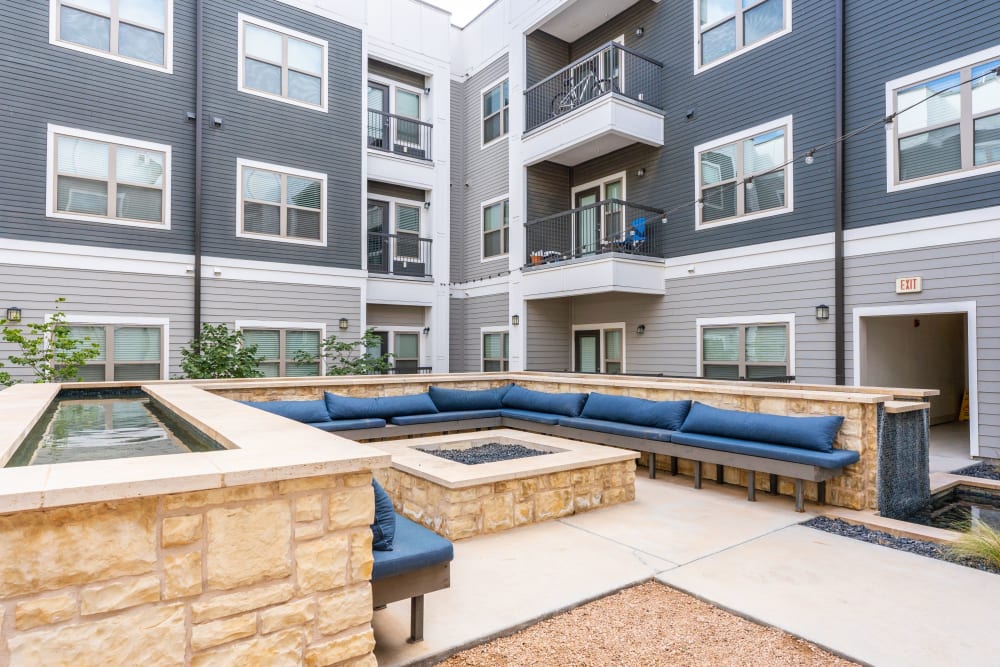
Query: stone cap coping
[(895, 527), (260, 448), (943, 481), (898, 407), (568, 455)]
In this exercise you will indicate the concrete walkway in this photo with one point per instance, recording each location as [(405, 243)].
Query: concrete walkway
[(869, 603)]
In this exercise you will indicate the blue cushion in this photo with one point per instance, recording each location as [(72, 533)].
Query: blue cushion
[(605, 426), (816, 433), (300, 411), (532, 416), (413, 548), (345, 407), (660, 414), (457, 400), (568, 405), (349, 424), (403, 420), (384, 528), (834, 458)]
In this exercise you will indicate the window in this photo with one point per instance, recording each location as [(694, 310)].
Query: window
[(103, 178), (496, 229), (744, 176), (282, 64), (751, 351), (948, 124), (496, 351), (599, 348), (725, 28), (406, 352), (127, 353), (496, 114), (134, 31), (281, 203), (281, 349)]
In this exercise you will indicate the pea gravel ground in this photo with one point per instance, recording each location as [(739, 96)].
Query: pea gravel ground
[(649, 624)]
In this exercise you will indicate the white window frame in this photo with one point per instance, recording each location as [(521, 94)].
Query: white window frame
[(240, 325), (168, 41), (242, 20), (51, 172), (603, 327), (891, 134), (393, 202), (289, 171), (482, 359), (781, 123), (788, 319), (482, 119), (423, 360), (118, 320), (740, 50), (482, 234)]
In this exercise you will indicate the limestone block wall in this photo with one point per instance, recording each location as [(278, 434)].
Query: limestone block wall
[(264, 574)]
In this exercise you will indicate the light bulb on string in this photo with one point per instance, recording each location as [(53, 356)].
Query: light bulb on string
[(809, 157)]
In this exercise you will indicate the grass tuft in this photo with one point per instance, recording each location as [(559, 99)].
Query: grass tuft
[(981, 541)]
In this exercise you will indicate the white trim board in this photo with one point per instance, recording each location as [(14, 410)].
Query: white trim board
[(479, 288), (968, 308), (783, 318)]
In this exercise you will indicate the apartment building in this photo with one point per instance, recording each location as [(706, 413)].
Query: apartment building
[(563, 185)]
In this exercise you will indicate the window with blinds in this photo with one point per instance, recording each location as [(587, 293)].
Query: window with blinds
[(406, 352), (286, 352), (137, 31), (127, 353), (496, 351), (282, 64), (282, 203), (496, 229), (407, 231), (747, 351)]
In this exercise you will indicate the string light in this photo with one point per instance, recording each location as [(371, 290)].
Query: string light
[(809, 156)]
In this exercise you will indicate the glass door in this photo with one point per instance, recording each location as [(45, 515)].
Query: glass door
[(586, 227), (588, 351), (378, 115), (378, 236), (613, 214), (407, 131)]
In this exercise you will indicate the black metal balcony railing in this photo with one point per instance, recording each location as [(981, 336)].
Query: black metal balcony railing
[(609, 69), (399, 134), (607, 226), (399, 254)]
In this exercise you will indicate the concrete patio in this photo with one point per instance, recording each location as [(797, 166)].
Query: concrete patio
[(856, 599)]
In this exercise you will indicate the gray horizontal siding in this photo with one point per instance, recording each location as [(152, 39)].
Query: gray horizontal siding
[(456, 337), (394, 73), (548, 335), (397, 191), (545, 54), (548, 189), (467, 318), (395, 316), (457, 190)]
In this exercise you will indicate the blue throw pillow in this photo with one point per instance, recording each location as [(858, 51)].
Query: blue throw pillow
[(310, 412), (345, 407), (462, 400), (817, 433), (667, 415), (384, 528), (520, 398)]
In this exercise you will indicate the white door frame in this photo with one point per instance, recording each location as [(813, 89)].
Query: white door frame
[(968, 308), (602, 327)]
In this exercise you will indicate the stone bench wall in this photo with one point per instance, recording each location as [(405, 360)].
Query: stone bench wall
[(275, 573)]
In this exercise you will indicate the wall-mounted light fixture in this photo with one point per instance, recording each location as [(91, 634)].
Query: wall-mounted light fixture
[(515, 320), (13, 314), (427, 91), (640, 31), (427, 204), (343, 324), (641, 329), (822, 312), (640, 172), (427, 330)]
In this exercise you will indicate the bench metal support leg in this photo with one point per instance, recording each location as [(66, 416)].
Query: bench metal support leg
[(652, 466), (821, 493), (673, 466), (799, 496), (697, 474), (416, 619), (751, 486), (773, 481), (720, 477)]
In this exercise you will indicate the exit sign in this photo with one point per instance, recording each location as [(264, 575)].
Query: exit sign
[(909, 285)]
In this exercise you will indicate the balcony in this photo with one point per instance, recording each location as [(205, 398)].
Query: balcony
[(400, 135), (606, 100), (405, 255)]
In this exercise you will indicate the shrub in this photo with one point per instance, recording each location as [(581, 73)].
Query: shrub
[(48, 348), (350, 357), (981, 541), (220, 353)]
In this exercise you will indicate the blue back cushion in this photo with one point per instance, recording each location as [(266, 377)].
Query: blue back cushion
[(345, 407), (310, 412), (817, 433), (667, 415), (520, 398), (384, 528), (460, 400)]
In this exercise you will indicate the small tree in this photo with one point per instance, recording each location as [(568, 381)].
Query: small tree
[(220, 353), (48, 348), (350, 357)]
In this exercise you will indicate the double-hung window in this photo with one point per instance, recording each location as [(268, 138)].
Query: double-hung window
[(103, 178), (286, 352), (496, 351), (745, 351), (724, 28), (496, 229), (136, 31), (282, 64), (745, 176), (127, 353), (496, 112), (281, 203), (402, 346), (948, 124)]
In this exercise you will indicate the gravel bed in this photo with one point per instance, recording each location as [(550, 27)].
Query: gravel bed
[(490, 452), (649, 624), (982, 470), (919, 547)]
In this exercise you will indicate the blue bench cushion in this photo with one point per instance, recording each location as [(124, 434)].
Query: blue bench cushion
[(384, 528), (348, 424), (639, 411), (346, 407), (444, 417), (816, 433), (835, 458), (459, 400), (414, 547), (301, 411), (567, 405), (606, 426), (532, 416)]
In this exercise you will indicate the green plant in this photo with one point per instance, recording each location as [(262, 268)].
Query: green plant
[(48, 348), (981, 541), (220, 353), (352, 357)]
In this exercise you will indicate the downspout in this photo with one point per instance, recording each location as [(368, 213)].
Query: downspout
[(838, 204), (198, 149)]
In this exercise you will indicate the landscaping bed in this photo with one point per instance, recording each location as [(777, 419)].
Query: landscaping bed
[(982, 470), (490, 452)]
